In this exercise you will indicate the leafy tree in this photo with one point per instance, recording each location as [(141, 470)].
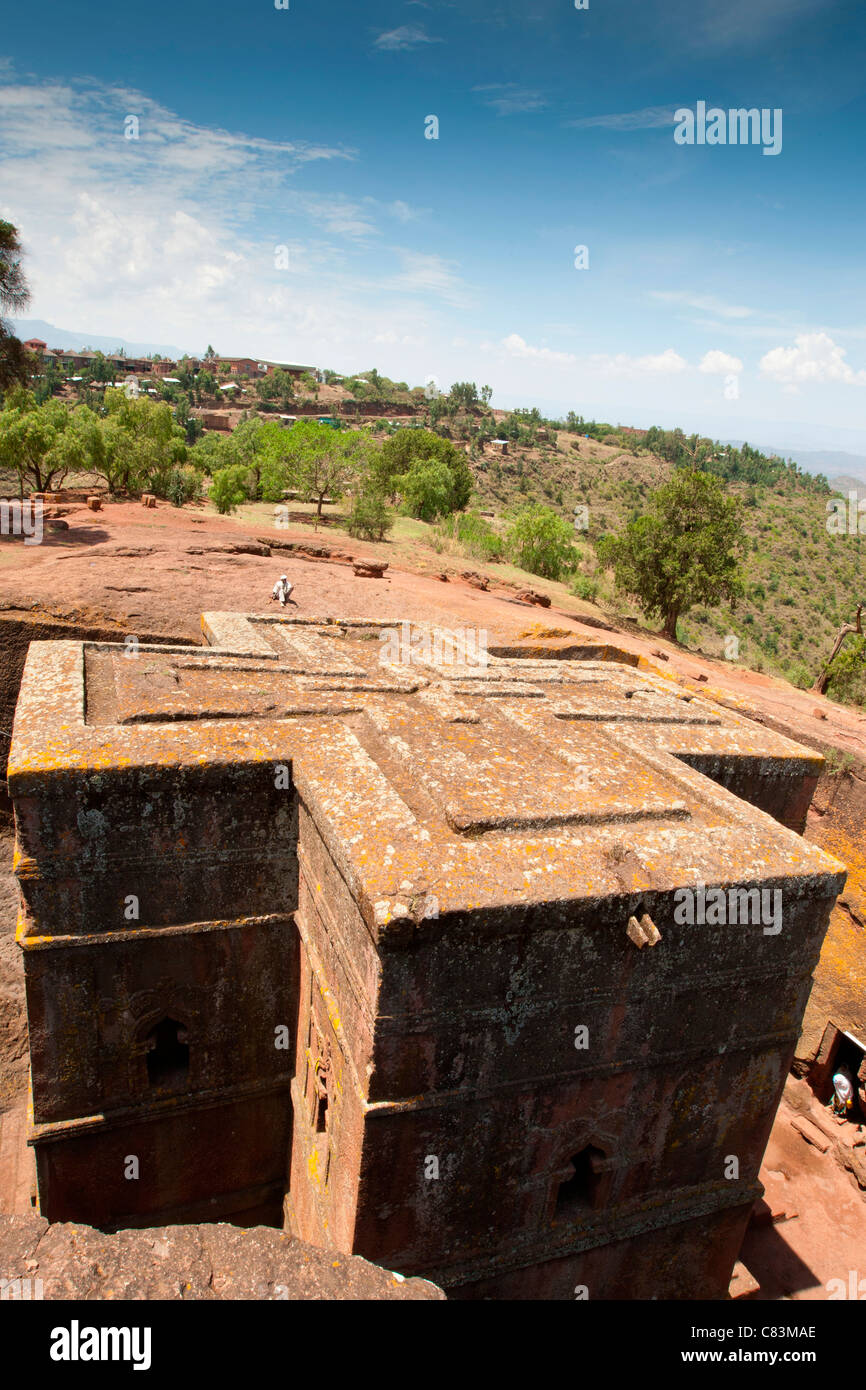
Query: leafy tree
[(369, 518), (243, 447), (142, 443), (32, 440), (48, 383), (541, 542), (229, 488), (276, 387), (376, 384), (100, 369), (205, 386), (400, 451), (683, 551), (315, 459), (464, 394), (426, 489), (15, 362)]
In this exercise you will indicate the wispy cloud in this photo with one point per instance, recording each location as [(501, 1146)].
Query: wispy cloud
[(407, 36), (403, 212), (428, 273), (749, 23), (649, 118), (706, 303), (507, 99)]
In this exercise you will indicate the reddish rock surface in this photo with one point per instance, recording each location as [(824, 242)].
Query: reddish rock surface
[(189, 1263)]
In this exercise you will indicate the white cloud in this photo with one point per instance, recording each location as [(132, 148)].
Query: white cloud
[(515, 346), (402, 211), (407, 36), (427, 273), (172, 237), (814, 357), (511, 99), (649, 118), (719, 363)]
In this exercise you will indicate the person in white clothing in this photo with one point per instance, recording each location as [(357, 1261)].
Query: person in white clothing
[(282, 590), (843, 1091)]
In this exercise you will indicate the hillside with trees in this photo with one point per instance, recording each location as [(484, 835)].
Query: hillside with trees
[(722, 548)]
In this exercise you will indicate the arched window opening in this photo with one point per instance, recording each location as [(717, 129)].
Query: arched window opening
[(583, 1189), (167, 1054)]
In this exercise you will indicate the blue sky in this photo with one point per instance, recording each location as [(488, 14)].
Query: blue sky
[(725, 287)]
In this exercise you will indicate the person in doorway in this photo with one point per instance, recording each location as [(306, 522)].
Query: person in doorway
[(282, 590), (843, 1091)]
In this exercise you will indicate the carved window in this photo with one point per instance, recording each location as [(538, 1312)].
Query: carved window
[(585, 1187), (167, 1054)]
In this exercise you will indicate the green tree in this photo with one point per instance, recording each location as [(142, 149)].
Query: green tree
[(205, 386), (32, 441), (541, 542), (369, 517), (426, 489), (142, 443), (316, 460), (464, 394), (100, 369), (229, 488), (400, 451), (683, 551), (376, 384), (16, 363)]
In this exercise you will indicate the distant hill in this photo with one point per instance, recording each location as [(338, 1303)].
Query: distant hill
[(801, 583), (73, 340), (830, 462), (844, 484)]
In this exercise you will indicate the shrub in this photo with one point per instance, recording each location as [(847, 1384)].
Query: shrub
[(474, 534), (585, 588), (848, 672), (426, 489), (184, 485), (229, 488), (369, 518), (541, 542)]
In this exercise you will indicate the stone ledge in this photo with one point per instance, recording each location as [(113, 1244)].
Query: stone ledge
[(189, 1262)]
